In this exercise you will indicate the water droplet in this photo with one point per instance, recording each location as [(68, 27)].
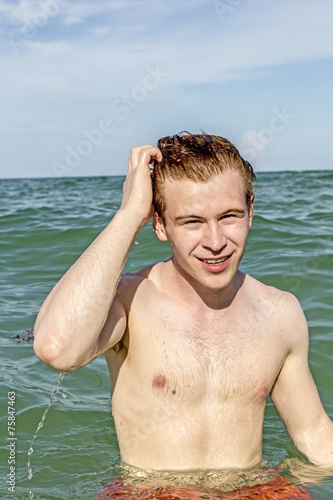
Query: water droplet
[(40, 425), (64, 396), (136, 242)]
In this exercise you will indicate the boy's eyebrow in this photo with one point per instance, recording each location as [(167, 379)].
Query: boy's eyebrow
[(193, 216)]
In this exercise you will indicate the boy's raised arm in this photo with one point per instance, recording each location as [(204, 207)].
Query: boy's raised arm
[(69, 324)]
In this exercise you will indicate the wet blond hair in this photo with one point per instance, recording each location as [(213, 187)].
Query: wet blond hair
[(198, 158)]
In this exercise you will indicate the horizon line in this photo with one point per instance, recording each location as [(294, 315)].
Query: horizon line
[(124, 175)]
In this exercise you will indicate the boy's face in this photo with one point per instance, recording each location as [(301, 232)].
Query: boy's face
[(206, 224)]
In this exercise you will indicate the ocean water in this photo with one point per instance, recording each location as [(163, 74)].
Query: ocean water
[(45, 224)]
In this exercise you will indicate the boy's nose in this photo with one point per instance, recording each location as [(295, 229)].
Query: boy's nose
[(214, 238)]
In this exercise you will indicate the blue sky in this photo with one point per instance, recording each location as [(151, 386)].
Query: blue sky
[(82, 82)]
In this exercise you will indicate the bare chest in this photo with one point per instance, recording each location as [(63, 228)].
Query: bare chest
[(212, 359)]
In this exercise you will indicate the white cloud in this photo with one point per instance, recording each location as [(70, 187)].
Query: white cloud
[(245, 46), (27, 11), (134, 48), (77, 12), (255, 35), (67, 73), (50, 49), (100, 31)]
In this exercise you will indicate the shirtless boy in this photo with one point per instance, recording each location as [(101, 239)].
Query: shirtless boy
[(193, 345)]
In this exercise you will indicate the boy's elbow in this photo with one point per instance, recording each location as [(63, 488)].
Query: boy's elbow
[(50, 354)]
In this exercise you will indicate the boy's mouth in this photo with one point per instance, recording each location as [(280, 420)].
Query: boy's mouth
[(215, 261)]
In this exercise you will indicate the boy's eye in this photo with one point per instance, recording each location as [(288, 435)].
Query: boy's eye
[(231, 216)]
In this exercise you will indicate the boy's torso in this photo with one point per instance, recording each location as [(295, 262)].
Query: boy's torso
[(189, 384)]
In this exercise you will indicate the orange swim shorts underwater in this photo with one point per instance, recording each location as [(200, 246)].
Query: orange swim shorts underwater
[(280, 488)]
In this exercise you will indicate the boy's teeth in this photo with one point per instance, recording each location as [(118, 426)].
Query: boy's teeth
[(214, 261)]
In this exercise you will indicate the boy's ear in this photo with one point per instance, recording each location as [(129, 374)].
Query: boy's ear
[(159, 227), (251, 210)]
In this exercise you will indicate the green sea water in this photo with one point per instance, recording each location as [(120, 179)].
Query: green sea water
[(45, 224)]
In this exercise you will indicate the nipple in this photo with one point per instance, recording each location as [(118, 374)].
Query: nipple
[(159, 381)]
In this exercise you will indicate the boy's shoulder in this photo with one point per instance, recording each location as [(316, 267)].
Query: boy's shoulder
[(271, 298)]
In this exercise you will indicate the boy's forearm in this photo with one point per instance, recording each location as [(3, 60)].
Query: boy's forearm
[(317, 443)]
